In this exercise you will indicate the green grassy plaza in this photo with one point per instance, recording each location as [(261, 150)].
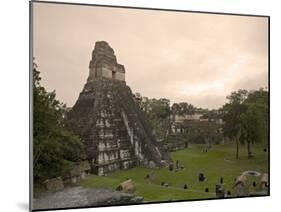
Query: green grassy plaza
[(218, 162)]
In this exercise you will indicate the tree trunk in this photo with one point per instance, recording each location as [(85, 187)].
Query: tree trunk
[(210, 143), (238, 143), (250, 154), (237, 148)]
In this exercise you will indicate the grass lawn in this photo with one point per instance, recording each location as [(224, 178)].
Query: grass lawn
[(217, 162)]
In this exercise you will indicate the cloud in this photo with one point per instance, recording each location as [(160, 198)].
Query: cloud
[(192, 57)]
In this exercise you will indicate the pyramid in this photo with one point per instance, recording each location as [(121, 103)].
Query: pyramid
[(115, 131)]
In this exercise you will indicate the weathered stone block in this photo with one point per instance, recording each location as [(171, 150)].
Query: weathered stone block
[(127, 186), (54, 184)]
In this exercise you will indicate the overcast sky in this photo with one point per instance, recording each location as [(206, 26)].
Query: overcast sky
[(190, 57)]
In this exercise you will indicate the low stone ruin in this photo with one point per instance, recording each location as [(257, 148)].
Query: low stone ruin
[(127, 186), (220, 193), (177, 142), (77, 171), (251, 173), (264, 184), (85, 169), (54, 184), (114, 129), (242, 179), (240, 186)]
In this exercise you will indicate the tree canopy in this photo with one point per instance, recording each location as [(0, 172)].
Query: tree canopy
[(246, 117), (53, 144)]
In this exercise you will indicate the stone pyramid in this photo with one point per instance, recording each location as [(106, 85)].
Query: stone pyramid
[(107, 118)]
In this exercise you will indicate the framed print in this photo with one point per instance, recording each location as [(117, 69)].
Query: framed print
[(139, 105)]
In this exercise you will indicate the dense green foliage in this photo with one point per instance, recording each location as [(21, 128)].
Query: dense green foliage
[(204, 133), (246, 118), (157, 112), (161, 115), (182, 108), (53, 144)]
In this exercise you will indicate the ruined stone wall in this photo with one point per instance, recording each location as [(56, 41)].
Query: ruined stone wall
[(120, 76), (120, 72), (106, 72), (104, 63)]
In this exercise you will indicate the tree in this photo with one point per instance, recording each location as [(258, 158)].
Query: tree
[(260, 99), (52, 142), (238, 96), (255, 119), (175, 109), (157, 112), (246, 118), (185, 109), (231, 115), (251, 123), (204, 133)]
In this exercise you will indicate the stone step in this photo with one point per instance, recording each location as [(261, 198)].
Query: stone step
[(116, 148), (133, 159)]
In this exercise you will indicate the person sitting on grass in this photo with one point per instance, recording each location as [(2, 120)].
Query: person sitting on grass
[(171, 167), (201, 177), (177, 165), (150, 177)]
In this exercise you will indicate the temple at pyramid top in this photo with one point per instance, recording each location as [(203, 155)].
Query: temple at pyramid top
[(104, 64)]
